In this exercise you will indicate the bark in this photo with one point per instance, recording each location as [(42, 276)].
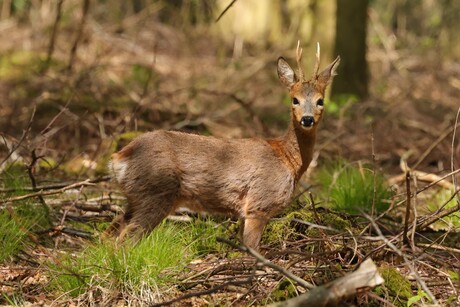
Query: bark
[(350, 44)]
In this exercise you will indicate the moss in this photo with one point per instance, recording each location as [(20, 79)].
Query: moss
[(335, 221), (283, 229), (284, 291), (396, 287)]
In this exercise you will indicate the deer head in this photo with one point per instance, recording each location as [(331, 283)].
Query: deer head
[(307, 96)]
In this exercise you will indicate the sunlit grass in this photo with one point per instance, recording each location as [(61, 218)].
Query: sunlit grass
[(20, 217), (350, 188), (154, 261)]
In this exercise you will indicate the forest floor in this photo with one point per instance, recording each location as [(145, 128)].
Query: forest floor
[(60, 121)]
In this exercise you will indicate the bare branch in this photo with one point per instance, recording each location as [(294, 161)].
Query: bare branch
[(225, 10), (406, 261), (87, 182), (24, 134), (267, 263)]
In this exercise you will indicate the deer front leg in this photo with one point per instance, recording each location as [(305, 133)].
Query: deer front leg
[(252, 233)]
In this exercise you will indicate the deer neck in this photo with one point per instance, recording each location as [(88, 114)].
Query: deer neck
[(295, 148)]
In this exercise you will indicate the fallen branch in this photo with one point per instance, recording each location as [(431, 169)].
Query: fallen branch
[(87, 182), (267, 263), (333, 293), (423, 176), (204, 292), (406, 261), (52, 186), (437, 181)]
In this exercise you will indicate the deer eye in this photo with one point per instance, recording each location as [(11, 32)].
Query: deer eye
[(295, 101), (320, 102)]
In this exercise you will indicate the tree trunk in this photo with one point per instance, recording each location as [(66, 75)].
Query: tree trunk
[(350, 44)]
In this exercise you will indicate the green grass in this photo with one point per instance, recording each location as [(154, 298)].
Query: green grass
[(132, 268), (350, 188), (22, 217), (11, 236)]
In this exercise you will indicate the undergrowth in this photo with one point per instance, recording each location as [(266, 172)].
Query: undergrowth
[(352, 189), (132, 268), (17, 220)]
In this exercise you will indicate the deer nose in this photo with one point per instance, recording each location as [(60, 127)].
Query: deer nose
[(307, 121)]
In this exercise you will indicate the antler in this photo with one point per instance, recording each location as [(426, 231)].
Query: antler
[(299, 61), (315, 71)]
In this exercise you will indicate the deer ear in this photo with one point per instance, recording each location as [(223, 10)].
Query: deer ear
[(325, 77), (285, 73)]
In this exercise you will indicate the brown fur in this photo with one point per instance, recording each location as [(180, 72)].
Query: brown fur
[(253, 179)]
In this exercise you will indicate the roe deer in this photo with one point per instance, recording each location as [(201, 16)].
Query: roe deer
[(252, 179)]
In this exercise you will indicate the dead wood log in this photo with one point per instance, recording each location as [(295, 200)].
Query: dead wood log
[(333, 293)]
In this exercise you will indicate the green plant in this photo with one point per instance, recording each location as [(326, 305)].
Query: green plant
[(335, 106), (420, 297), (444, 198), (11, 236), (396, 288), (24, 216), (131, 268), (350, 188)]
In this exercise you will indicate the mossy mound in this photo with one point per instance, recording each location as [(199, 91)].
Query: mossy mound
[(396, 288), (291, 228)]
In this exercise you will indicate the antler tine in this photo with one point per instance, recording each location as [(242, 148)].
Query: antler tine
[(315, 71), (299, 61)]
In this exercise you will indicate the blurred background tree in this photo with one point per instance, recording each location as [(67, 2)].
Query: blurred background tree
[(350, 43)]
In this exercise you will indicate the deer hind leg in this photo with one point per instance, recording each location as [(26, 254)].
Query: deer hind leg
[(117, 225), (140, 217), (144, 217), (253, 229)]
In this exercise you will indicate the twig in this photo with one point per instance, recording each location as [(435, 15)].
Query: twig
[(406, 220), (46, 193), (52, 186), (452, 166), (414, 214), (433, 146), (30, 172), (437, 181), (407, 262), (440, 214), (204, 292), (440, 247), (24, 134), (225, 10), (422, 176), (313, 206), (315, 225), (267, 263), (374, 192), (72, 205)]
